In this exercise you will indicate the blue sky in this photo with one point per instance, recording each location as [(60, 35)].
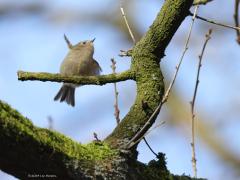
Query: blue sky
[(35, 43)]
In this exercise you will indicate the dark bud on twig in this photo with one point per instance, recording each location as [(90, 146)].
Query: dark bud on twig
[(96, 137)]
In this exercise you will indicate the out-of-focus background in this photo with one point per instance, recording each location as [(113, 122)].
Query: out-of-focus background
[(32, 40)]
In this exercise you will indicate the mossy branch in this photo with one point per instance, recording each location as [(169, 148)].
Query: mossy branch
[(82, 80), (145, 70), (146, 56), (27, 150)]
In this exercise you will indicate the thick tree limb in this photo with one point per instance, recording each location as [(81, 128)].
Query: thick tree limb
[(30, 151), (145, 70), (145, 63), (83, 80)]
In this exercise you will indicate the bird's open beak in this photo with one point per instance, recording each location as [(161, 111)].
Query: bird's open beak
[(93, 40)]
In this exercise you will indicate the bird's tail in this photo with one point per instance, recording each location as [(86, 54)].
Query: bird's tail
[(66, 93)]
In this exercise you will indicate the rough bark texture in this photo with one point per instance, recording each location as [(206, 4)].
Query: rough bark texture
[(27, 150), (145, 63), (83, 80)]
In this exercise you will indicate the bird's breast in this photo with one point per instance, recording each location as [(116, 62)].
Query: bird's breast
[(76, 63)]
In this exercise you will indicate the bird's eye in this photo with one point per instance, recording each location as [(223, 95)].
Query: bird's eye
[(84, 42)]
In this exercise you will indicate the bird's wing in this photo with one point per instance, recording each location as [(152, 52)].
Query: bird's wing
[(97, 67)]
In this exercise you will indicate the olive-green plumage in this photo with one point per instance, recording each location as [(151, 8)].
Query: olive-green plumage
[(79, 61)]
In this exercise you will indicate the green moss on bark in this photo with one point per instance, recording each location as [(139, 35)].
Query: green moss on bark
[(26, 149), (146, 56), (82, 80), (46, 151)]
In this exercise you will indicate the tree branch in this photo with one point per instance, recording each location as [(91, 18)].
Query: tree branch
[(192, 103), (145, 63), (199, 2), (28, 151), (139, 135), (145, 70), (83, 80), (215, 23), (235, 16), (116, 109)]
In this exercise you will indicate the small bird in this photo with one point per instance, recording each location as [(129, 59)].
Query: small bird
[(79, 61)]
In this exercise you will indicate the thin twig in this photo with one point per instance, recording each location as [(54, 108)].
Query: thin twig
[(96, 137), (68, 42), (117, 111), (50, 122), (200, 2), (181, 59), (125, 53), (139, 135), (150, 147), (192, 103), (148, 132), (215, 23), (236, 16), (155, 127), (126, 22)]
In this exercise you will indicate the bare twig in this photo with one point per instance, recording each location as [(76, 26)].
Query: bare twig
[(138, 136), (96, 137), (236, 16), (192, 103), (126, 22), (125, 53), (181, 59), (199, 2), (148, 132), (149, 147), (155, 127), (215, 23), (117, 111), (68, 42), (50, 122)]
